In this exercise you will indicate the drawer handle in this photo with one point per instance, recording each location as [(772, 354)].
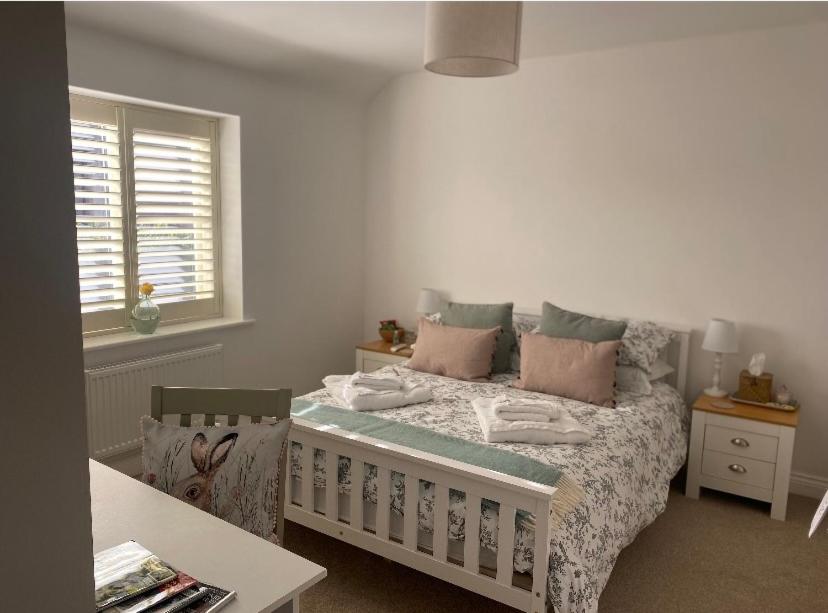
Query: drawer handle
[(740, 442), (738, 468)]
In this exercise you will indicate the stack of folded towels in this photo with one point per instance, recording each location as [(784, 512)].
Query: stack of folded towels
[(373, 392), (526, 420)]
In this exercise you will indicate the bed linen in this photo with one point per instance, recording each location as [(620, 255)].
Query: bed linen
[(624, 472)]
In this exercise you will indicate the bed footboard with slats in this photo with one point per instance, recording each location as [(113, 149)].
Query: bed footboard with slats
[(344, 516)]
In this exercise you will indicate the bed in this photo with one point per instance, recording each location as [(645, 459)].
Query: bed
[(525, 556)]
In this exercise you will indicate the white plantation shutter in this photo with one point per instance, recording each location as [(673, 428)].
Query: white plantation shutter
[(99, 215), (162, 228), (174, 215)]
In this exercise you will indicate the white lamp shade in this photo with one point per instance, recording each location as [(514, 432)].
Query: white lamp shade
[(473, 39), (429, 301), (720, 337)]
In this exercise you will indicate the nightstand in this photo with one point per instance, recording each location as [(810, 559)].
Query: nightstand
[(745, 450), (372, 355)]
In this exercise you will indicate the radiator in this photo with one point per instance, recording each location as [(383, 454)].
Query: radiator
[(117, 395)]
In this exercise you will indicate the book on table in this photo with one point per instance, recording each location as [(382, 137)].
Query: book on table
[(131, 579)]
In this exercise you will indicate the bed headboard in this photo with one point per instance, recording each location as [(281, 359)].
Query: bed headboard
[(675, 354)]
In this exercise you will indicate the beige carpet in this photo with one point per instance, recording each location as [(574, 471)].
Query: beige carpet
[(719, 553)]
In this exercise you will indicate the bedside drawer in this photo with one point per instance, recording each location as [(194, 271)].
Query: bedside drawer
[(741, 443), (369, 365), (368, 361), (739, 469)]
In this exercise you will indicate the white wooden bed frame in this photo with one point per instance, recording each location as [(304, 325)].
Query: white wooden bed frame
[(510, 492)]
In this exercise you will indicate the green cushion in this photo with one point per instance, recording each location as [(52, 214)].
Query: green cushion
[(485, 316), (567, 324)]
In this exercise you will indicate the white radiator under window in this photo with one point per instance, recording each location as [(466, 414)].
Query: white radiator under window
[(117, 395)]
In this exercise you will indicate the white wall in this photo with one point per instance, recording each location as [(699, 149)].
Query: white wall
[(675, 181), (45, 522), (301, 208)]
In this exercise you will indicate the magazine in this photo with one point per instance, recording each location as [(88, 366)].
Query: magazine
[(180, 601), (125, 571), (215, 600), (147, 600)]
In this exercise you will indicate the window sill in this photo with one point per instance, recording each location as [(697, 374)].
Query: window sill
[(122, 339)]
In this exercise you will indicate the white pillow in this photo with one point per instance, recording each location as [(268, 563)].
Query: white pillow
[(660, 370), (633, 379), (642, 343)]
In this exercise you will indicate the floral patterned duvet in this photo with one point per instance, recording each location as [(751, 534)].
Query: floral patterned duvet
[(624, 472)]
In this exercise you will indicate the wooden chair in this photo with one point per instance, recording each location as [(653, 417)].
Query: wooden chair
[(187, 401)]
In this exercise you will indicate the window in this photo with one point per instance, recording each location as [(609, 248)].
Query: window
[(146, 210)]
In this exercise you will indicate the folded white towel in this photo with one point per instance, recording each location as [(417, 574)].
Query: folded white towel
[(524, 409), (564, 429), (377, 382), (360, 398)]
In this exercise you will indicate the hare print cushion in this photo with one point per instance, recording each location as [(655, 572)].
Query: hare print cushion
[(231, 472)]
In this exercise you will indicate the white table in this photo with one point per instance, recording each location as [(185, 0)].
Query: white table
[(265, 578)]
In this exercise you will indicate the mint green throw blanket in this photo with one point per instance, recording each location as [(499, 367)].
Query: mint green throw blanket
[(422, 439)]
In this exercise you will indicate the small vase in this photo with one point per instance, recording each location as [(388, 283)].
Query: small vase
[(387, 334), (145, 316)]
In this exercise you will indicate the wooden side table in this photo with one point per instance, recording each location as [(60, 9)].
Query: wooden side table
[(745, 450), (372, 355)]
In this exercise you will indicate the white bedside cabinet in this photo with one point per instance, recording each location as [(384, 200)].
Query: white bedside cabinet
[(745, 450), (372, 355)]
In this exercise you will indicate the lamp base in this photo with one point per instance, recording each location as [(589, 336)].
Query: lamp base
[(715, 392)]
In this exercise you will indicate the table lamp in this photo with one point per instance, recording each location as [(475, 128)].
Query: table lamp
[(429, 301), (719, 338)]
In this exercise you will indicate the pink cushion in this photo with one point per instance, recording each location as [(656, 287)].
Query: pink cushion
[(569, 367), (460, 353)]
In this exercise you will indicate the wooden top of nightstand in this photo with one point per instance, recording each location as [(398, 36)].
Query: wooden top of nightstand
[(380, 346), (749, 411)]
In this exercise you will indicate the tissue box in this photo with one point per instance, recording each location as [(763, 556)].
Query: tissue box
[(755, 389)]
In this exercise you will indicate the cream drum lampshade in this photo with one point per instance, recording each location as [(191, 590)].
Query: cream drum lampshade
[(720, 337), (429, 301), (473, 39)]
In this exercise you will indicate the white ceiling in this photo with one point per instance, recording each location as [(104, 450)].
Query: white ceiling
[(355, 47)]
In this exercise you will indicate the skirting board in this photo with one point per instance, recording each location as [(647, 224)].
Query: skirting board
[(812, 486)]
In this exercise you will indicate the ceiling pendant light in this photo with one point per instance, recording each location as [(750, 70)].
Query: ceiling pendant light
[(472, 39)]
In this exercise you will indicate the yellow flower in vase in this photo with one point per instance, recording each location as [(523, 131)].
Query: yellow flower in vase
[(145, 314)]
